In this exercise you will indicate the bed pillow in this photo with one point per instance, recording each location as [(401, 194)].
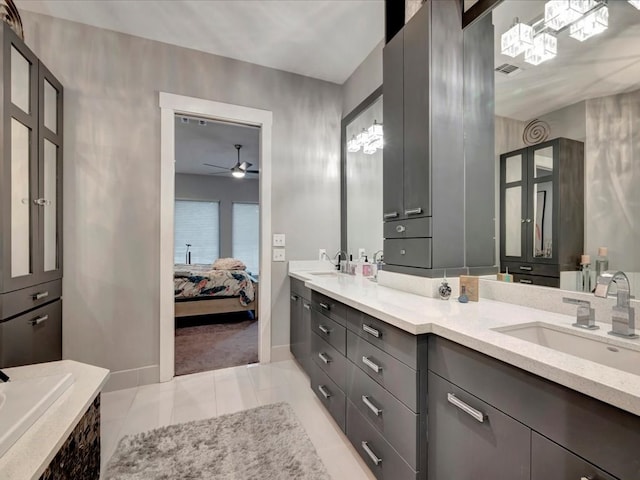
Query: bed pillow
[(228, 264)]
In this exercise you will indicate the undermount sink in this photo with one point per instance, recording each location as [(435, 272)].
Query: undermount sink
[(324, 274), (606, 351), (22, 402)]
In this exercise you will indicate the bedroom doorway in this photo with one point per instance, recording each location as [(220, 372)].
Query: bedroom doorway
[(223, 225), (216, 244)]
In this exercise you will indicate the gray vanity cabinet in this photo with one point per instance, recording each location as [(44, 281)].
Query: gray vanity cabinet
[(300, 323), (31, 198)]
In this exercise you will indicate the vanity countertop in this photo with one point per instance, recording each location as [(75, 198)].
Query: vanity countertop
[(470, 324), (30, 455)]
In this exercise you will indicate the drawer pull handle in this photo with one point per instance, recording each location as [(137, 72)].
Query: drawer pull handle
[(452, 399), (403, 252), (391, 215), (324, 329), (307, 306), (371, 406), (323, 390), (524, 267), (371, 331), (371, 365), (372, 456), (400, 228), (39, 320), (294, 298), (324, 358), (325, 306), (528, 282), (413, 211), (41, 295)]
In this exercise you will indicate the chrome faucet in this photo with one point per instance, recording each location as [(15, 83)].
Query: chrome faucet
[(623, 315), (585, 316), (336, 259)]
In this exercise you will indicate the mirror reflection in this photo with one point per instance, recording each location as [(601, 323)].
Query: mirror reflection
[(580, 90)]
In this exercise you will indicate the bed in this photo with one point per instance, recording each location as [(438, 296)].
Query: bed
[(199, 290)]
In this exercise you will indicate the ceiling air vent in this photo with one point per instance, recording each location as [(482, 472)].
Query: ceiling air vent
[(508, 69)]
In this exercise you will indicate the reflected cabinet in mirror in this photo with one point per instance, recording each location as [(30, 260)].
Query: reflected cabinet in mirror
[(567, 143)]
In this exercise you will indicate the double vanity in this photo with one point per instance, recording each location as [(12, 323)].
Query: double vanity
[(425, 388)]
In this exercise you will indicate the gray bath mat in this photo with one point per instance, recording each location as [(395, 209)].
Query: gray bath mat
[(262, 443)]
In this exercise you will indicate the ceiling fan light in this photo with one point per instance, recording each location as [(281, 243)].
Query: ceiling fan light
[(237, 172)]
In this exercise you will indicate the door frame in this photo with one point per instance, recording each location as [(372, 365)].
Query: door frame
[(170, 105)]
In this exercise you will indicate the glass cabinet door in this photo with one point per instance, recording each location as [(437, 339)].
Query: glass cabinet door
[(541, 192), (513, 204)]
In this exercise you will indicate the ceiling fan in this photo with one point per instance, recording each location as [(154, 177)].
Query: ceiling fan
[(239, 169)]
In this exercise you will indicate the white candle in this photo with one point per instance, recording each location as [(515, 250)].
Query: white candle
[(602, 251), (585, 259)]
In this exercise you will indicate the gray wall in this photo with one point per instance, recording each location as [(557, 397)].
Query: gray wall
[(112, 176), (225, 190), (363, 81), (568, 122)]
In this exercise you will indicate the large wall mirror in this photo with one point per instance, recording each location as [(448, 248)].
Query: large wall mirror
[(580, 81), (362, 178)]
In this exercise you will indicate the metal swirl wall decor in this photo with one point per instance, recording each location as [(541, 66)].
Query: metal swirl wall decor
[(536, 131), (9, 14)]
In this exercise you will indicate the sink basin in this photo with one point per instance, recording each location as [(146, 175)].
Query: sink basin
[(22, 402), (606, 351), (324, 274)]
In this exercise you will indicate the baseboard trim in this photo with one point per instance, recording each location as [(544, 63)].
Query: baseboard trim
[(281, 353), (132, 378)]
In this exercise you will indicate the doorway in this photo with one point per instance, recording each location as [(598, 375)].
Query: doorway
[(172, 105)]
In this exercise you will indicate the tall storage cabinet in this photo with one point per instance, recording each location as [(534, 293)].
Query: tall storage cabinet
[(31, 199)]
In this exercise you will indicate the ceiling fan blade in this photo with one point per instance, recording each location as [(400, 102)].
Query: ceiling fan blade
[(244, 166), (253, 171), (216, 166)]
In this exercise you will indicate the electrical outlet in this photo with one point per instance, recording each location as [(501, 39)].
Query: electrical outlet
[(322, 254), (278, 255), (278, 240), (361, 253)]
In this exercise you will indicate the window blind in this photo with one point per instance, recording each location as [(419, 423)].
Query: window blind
[(197, 223)]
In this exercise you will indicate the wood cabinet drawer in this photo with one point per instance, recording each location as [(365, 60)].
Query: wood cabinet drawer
[(397, 424), (537, 280), (400, 379), (409, 252), (18, 301), (525, 268), (549, 461), (332, 362), (331, 396), (461, 446), (329, 307), (34, 337), (408, 228), (379, 455), (331, 331), (396, 342)]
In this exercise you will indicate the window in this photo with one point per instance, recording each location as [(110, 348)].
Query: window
[(246, 235), (197, 224)]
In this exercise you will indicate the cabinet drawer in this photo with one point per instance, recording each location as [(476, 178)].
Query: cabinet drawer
[(331, 331), (329, 394), (410, 252), (408, 228), (392, 374), (34, 337), (379, 455), (524, 268), (396, 342), (16, 302), (549, 461), (397, 424), (492, 446), (330, 360), (297, 287), (537, 280), (329, 307)]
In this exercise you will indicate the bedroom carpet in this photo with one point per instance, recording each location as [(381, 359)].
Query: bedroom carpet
[(266, 443), (215, 341)]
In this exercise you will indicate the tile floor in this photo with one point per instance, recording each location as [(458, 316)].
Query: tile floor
[(208, 394)]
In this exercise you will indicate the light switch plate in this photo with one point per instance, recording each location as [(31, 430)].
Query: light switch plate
[(278, 240), (278, 255)]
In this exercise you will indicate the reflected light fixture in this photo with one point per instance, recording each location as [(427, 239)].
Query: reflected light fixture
[(363, 137), (545, 47), (635, 3), (352, 145), (560, 13), (593, 24), (517, 39)]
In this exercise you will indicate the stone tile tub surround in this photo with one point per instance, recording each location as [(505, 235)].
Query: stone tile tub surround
[(471, 325)]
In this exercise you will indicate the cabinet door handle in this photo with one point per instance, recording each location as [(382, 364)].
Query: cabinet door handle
[(371, 406), (528, 220), (324, 329), (41, 295), (403, 252), (371, 365), (325, 306), (324, 358), (391, 215), (323, 390), (526, 267), (294, 298), (400, 228), (307, 306), (478, 415), (39, 320), (413, 211), (371, 330), (528, 282), (372, 456), (40, 201)]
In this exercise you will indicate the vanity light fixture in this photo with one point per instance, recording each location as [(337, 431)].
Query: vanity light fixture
[(363, 137), (517, 39), (560, 13), (593, 24), (545, 47), (635, 3)]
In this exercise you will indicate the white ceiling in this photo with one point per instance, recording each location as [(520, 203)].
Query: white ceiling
[(214, 143), (606, 64), (325, 39)]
